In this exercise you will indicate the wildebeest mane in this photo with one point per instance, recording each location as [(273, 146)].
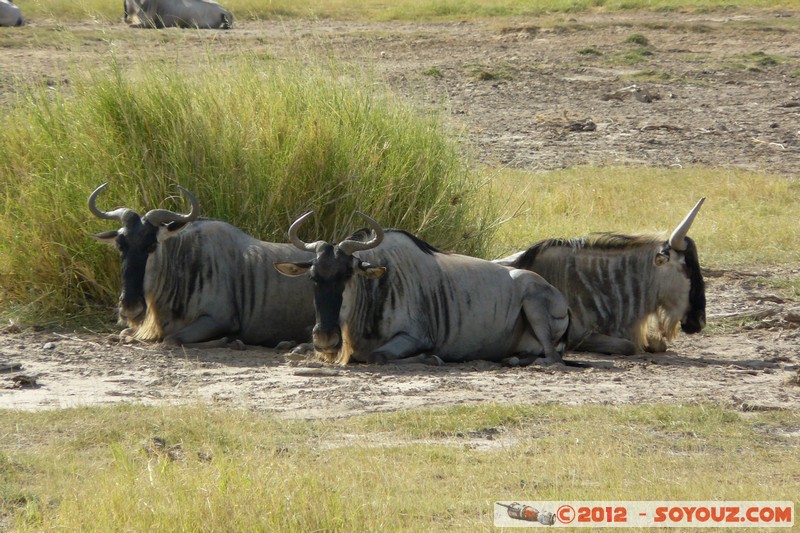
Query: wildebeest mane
[(364, 234), (597, 241)]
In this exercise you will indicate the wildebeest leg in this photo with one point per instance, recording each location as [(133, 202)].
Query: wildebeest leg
[(597, 342), (423, 358), (205, 332), (548, 330), (399, 349)]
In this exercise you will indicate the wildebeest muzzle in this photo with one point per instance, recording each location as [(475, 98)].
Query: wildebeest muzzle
[(327, 339)]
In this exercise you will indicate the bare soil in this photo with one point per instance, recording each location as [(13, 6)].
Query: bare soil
[(721, 91)]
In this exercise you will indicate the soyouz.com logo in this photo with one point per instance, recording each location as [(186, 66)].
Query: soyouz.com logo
[(644, 514)]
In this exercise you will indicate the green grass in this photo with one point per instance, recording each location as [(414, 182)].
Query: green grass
[(635, 55), (501, 71), (754, 61), (590, 51), (637, 39), (658, 76), (424, 470), (789, 286), (747, 219), (433, 72), (258, 141), (400, 10)]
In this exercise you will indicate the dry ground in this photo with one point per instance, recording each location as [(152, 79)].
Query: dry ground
[(722, 91)]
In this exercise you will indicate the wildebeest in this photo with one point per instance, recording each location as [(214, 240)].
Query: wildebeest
[(203, 14), (187, 280), (10, 15), (626, 293), (391, 297)]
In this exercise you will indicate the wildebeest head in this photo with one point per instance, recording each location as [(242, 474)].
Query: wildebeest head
[(136, 240), (679, 254), (330, 271)]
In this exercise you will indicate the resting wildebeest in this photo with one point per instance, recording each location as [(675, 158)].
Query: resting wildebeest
[(203, 14), (10, 15), (454, 307), (187, 280), (626, 293)]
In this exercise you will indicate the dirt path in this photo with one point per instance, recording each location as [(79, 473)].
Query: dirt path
[(718, 91), (751, 360)]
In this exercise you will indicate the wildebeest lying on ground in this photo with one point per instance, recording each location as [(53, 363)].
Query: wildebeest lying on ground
[(187, 280), (203, 14), (10, 14), (626, 293), (393, 298)]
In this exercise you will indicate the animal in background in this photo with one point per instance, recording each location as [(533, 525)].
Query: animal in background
[(202, 14), (10, 14)]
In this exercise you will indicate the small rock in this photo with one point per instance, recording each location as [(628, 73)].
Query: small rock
[(284, 346), (49, 346), (8, 366), (12, 328), (25, 381), (581, 125)]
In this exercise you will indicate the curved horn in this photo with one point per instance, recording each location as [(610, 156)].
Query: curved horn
[(305, 246), (157, 217), (677, 239), (121, 213), (349, 246)]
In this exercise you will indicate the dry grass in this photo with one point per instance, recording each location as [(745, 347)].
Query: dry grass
[(747, 219), (227, 470)]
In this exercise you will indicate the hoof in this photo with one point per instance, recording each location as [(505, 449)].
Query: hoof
[(237, 345), (170, 342), (657, 345), (304, 348), (376, 358), (432, 360)]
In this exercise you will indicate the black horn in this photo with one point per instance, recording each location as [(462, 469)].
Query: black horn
[(121, 213), (163, 216), (350, 247), (297, 241)]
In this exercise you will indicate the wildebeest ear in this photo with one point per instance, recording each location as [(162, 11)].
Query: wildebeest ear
[(108, 237), (165, 231), (661, 258), (370, 272), (292, 269)]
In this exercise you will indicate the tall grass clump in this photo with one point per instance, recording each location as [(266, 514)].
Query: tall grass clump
[(259, 143)]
